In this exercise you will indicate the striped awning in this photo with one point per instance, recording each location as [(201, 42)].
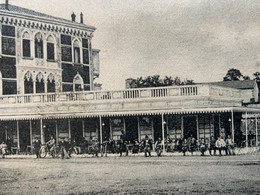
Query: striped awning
[(130, 113)]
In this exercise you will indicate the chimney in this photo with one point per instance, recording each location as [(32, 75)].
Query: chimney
[(6, 5), (73, 17), (81, 18)]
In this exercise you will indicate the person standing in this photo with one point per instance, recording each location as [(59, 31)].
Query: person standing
[(37, 147), (159, 147), (184, 146), (63, 147), (212, 145), (230, 146)]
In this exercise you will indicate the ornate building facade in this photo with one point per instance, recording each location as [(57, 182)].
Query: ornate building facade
[(47, 72), (44, 54)]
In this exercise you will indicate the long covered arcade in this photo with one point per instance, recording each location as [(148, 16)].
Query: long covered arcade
[(155, 112), (48, 68)]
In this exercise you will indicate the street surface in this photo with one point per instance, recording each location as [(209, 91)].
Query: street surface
[(132, 175)]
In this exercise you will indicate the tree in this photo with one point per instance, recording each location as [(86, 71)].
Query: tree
[(233, 75), (156, 81), (246, 77), (257, 76)]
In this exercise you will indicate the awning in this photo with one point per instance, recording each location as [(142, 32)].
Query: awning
[(130, 113)]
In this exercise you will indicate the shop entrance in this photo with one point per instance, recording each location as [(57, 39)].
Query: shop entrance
[(189, 126)]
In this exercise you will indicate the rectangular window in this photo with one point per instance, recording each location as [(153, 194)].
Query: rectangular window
[(85, 56), (9, 87), (8, 67), (85, 43), (67, 87), (66, 54), (86, 88), (76, 55), (50, 51), (8, 46), (65, 39), (8, 31), (26, 48)]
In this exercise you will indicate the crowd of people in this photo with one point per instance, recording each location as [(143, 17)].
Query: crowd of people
[(185, 146), (92, 146)]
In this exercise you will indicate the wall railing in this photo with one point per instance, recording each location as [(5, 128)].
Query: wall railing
[(137, 93)]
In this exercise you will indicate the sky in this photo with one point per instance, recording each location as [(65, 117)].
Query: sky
[(193, 39)]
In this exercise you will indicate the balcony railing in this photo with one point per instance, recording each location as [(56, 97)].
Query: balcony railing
[(140, 93)]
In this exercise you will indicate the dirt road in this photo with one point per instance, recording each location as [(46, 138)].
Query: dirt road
[(132, 175)]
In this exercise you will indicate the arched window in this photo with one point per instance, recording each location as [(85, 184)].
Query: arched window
[(26, 45), (76, 50), (39, 83), (50, 48), (38, 41), (78, 84), (28, 83), (50, 83)]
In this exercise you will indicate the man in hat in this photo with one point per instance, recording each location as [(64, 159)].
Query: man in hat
[(37, 147)]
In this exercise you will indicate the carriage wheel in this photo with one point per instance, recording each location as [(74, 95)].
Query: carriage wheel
[(42, 152)]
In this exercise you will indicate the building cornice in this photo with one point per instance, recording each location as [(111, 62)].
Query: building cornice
[(47, 24)]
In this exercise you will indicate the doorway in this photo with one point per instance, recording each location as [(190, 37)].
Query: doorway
[(189, 127), (76, 130), (131, 125)]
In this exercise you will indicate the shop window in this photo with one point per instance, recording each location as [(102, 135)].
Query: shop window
[(50, 48), (38, 45), (26, 45)]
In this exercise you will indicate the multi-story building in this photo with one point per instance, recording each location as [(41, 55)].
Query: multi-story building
[(47, 72), (44, 54)]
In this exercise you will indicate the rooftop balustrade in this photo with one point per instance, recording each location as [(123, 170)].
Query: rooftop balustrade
[(137, 93)]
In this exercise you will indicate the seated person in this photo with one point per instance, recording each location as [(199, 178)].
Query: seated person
[(203, 146), (184, 146), (3, 148), (220, 145), (192, 145), (169, 145), (51, 145), (136, 147), (147, 144), (73, 147), (111, 146)]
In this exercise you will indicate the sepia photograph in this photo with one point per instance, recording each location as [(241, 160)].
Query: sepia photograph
[(129, 97)]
